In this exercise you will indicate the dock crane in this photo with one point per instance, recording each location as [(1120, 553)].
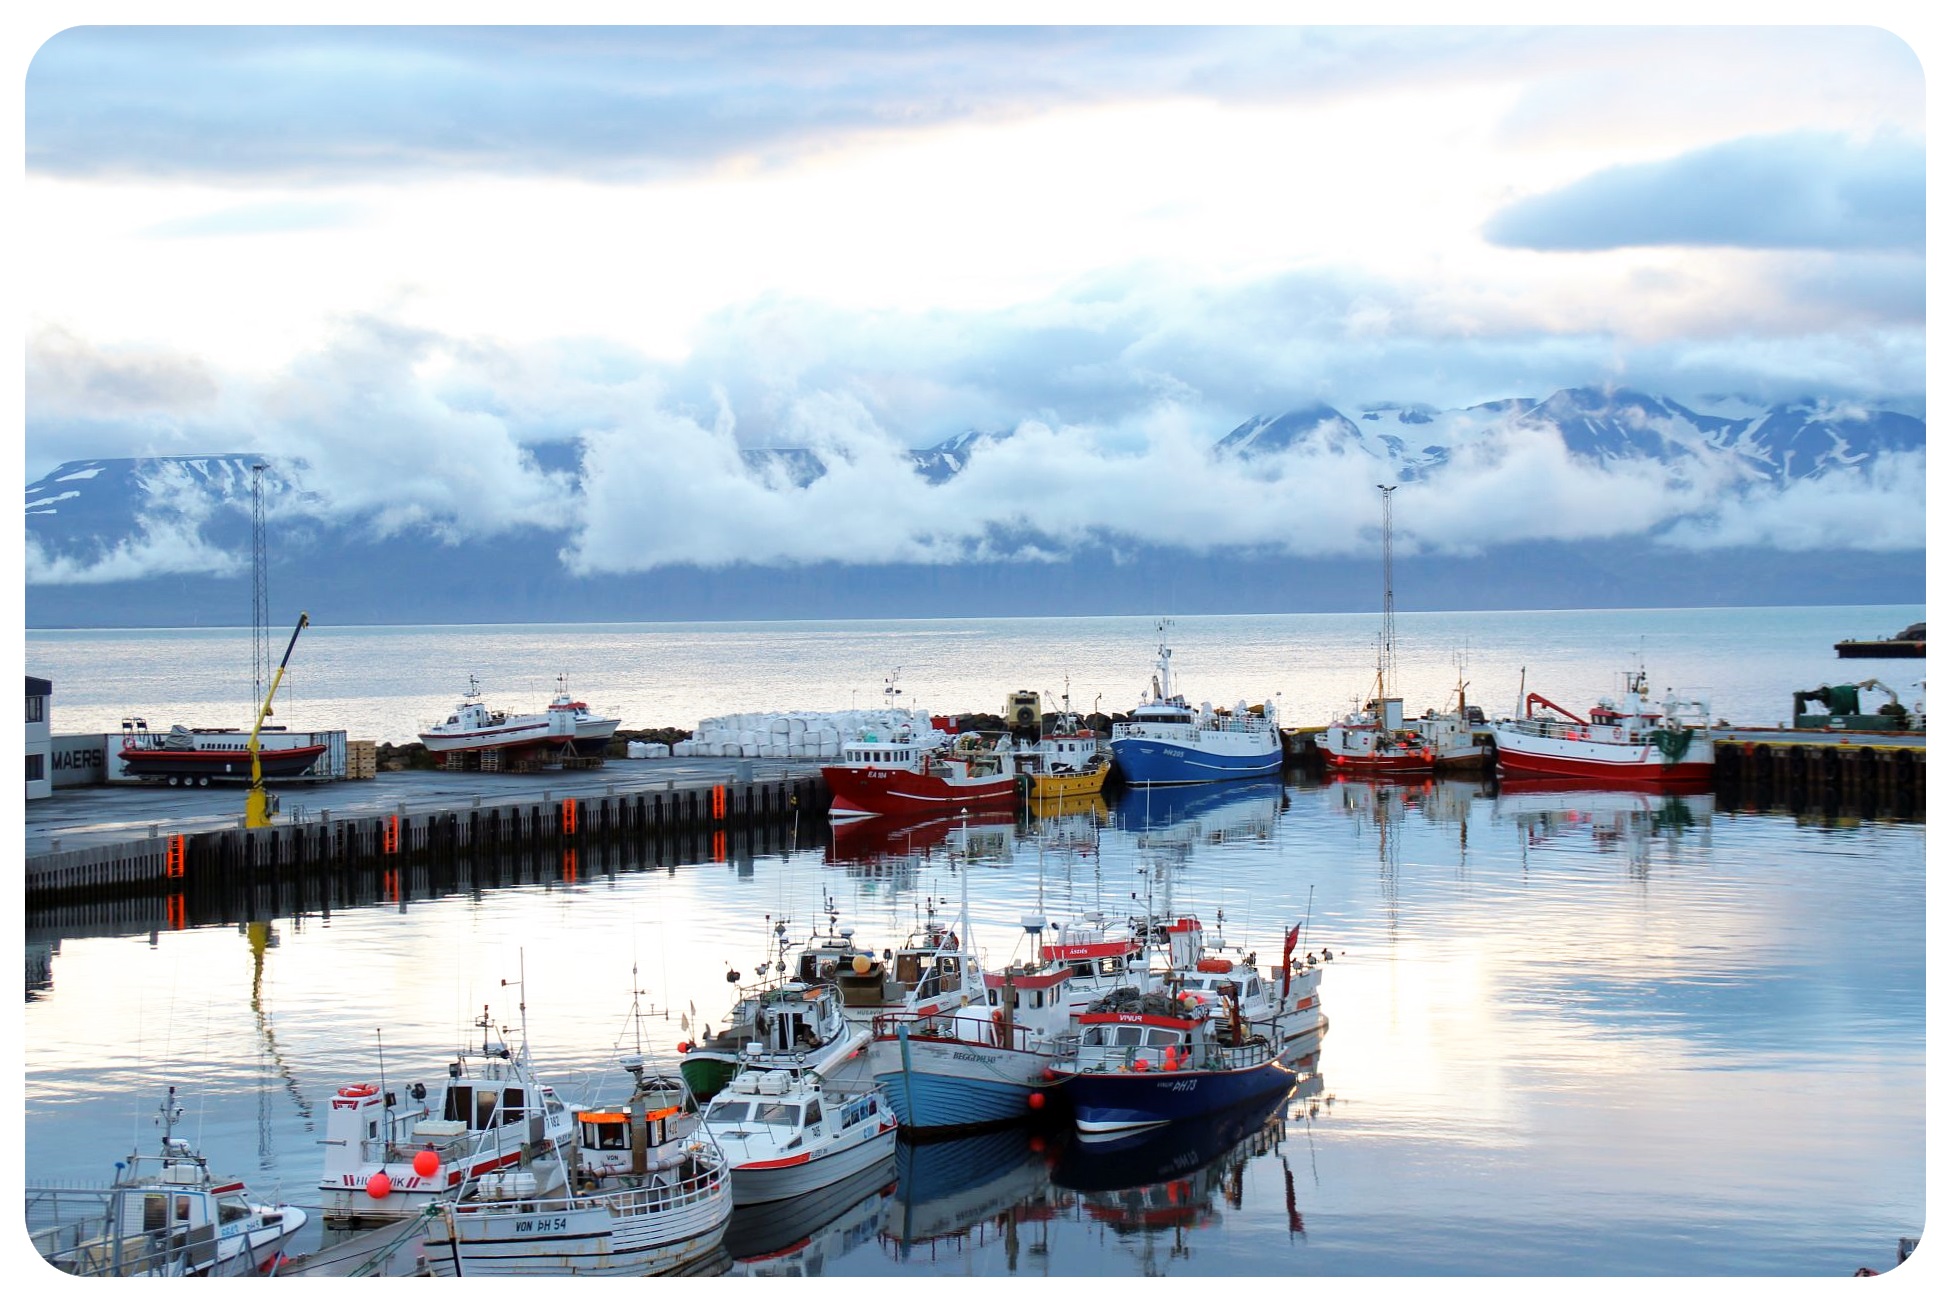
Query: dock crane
[(257, 805)]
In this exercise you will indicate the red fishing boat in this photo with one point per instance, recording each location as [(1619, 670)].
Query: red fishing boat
[(900, 773), (1637, 743)]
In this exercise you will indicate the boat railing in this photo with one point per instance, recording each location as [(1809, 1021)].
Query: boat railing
[(942, 1026), (627, 1200), (1554, 729)]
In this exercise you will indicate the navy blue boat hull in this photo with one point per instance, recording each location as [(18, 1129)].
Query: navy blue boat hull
[(1108, 1103)]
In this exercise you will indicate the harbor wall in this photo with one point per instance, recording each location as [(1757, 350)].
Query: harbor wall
[(716, 817)]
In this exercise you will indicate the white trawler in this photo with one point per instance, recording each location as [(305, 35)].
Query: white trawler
[(474, 727)]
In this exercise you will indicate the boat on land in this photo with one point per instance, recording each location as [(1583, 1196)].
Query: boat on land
[(564, 723), (644, 1191), (166, 1214), (199, 756), (388, 1158), (1634, 742), (1169, 742), (903, 773)]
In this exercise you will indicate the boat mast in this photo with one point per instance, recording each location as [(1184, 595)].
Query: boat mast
[(1385, 668), (260, 588)]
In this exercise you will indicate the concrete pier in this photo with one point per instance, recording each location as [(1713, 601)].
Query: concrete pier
[(421, 815)]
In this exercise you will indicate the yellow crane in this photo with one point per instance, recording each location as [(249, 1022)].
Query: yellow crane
[(257, 806)]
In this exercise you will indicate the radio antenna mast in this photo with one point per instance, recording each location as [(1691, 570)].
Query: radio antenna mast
[(1388, 657), (260, 589)]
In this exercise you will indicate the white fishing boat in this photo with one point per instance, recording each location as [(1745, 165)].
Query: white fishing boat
[(801, 1023), (648, 1193), (566, 722), (787, 1133), (165, 1215), (388, 1157)]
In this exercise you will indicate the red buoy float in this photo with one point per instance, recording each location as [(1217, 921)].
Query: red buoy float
[(684, 1046), (378, 1185), (1049, 1073), (426, 1162), (1036, 1100)]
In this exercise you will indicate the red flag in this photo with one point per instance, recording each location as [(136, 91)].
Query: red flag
[(1287, 959)]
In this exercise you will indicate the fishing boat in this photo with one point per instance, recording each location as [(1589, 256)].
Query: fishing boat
[(903, 774), (803, 1020), (1066, 762), (165, 1215), (788, 1134), (647, 1193), (1141, 1060), (565, 722), (1375, 740), (1167, 742), (388, 1157), (1207, 1033), (1456, 735), (1287, 998), (985, 1062), (199, 756), (1636, 743)]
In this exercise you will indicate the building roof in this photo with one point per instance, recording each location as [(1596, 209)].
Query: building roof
[(39, 686)]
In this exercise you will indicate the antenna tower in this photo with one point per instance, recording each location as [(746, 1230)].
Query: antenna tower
[(1387, 667), (260, 590)]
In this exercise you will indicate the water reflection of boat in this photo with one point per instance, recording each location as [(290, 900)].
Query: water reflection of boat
[(799, 1236), (1246, 807), (1613, 818), (891, 839), (1166, 1182), (945, 1187)]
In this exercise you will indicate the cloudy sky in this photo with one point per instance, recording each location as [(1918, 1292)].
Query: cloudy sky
[(408, 257)]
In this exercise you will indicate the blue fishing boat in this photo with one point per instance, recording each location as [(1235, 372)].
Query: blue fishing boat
[(1169, 742), (1138, 1061)]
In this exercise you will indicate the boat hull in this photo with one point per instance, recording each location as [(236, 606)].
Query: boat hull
[(707, 1071), (1144, 761), (938, 1085), (612, 1234), (766, 1182), (1061, 786), (862, 792), (1523, 755), (229, 764), (1107, 1103)]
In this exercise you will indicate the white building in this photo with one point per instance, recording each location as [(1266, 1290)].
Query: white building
[(39, 736)]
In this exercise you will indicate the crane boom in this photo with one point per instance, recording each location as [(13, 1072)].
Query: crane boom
[(257, 811)]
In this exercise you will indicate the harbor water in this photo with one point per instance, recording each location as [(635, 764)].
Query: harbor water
[(1572, 1033)]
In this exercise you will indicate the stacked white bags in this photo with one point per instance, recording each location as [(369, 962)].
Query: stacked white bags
[(646, 750), (796, 735)]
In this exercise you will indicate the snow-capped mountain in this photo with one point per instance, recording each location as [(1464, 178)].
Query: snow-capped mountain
[(165, 539), (1790, 441)]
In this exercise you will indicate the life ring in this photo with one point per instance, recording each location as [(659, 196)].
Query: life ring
[(358, 1091)]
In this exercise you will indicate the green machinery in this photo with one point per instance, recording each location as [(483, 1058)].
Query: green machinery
[(1843, 705)]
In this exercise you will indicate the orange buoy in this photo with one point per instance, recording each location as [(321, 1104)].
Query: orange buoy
[(426, 1162), (378, 1185), (684, 1046), (1141, 1065)]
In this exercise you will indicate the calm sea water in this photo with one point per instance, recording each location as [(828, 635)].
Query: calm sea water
[(384, 683), (1572, 1033)]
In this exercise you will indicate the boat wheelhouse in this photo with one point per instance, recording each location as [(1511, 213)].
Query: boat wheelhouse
[(389, 1157), (1168, 742)]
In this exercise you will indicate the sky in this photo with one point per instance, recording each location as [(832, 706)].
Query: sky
[(405, 258)]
